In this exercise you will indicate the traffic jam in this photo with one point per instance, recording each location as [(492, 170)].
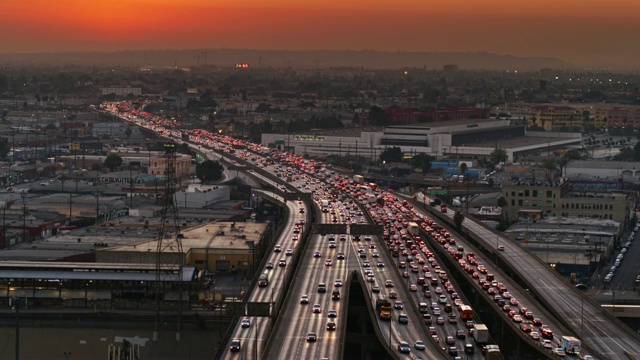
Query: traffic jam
[(402, 224)]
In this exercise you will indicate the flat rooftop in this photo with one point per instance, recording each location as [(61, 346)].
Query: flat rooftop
[(438, 124), (521, 141), (611, 165), (228, 235)]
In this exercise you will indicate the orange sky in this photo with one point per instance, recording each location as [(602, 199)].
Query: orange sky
[(584, 32)]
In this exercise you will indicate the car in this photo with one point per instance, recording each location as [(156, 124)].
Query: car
[(366, 264), (235, 345), (340, 256), (245, 323), (469, 349), (317, 309), (517, 318), (317, 254), (312, 337), (375, 254), (277, 248), (332, 314), (332, 244), (322, 288), (450, 340), (547, 344), (288, 252), (403, 319), (282, 263), (537, 321), (413, 287), (427, 294), (404, 347), (304, 299), (559, 352), (375, 289), (419, 345), (328, 262), (393, 295), (440, 320), (398, 305), (335, 295), (388, 283), (380, 264), (534, 335), (453, 351), (331, 326), (435, 338), (433, 330), (461, 334), (269, 265)]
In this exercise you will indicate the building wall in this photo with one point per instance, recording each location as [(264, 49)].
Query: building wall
[(558, 201), (184, 165), (617, 117), (121, 91), (200, 199), (553, 118)]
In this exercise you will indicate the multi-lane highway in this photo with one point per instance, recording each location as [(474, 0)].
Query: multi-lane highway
[(600, 332), (588, 321)]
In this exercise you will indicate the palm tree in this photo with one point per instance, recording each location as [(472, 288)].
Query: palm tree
[(502, 203)]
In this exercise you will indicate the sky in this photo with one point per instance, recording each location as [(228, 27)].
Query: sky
[(583, 32)]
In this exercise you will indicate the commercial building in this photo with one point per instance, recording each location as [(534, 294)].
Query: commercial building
[(621, 117), (154, 161), (114, 129), (200, 196), (628, 171), (121, 91), (556, 118), (572, 245), (218, 246), (469, 138), (558, 199)]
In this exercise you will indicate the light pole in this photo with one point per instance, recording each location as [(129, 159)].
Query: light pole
[(23, 194)]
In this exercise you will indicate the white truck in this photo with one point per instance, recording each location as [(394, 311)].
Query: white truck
[(571, 345), (481, 334), (414, 229), (358, 179)]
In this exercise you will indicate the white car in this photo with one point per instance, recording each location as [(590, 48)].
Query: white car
[(304, 299), (338, 283), (246, 323)]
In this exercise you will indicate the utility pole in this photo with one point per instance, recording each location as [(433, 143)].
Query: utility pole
[(24, 216)]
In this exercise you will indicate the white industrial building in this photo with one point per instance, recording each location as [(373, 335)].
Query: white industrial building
[(464, 138), (627, 170), (200, 196)]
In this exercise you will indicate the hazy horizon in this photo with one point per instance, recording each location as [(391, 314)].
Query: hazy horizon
[(587, 33)]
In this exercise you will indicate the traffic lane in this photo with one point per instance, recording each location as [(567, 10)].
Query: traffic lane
[(629, 268), (278, 274), (602, 333)]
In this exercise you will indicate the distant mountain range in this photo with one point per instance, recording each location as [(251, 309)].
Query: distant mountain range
[(367, 59)]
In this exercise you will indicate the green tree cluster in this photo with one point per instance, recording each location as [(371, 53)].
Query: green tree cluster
[(392, 154), (113, 161), (209, 171)]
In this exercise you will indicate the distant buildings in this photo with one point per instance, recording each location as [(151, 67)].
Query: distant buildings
[(429, 114), (121, 91), (556, 118), (560, 199)]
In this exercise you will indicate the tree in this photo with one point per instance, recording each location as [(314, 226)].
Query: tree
[(113, 161), (550, 165), (636, 150), (423, 161), (377, 117), (458, 218), (4, 147), (498, 155), (209, 171), (393, 154), (502, 203), (463, 168), (128, 132)]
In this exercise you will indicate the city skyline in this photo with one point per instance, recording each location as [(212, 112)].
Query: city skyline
[(590, 33)]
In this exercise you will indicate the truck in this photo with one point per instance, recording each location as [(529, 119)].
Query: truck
[(383, 307), (493, 354), (570, 345), (481, 334), (414, 229), (325, 206), (358, 179)]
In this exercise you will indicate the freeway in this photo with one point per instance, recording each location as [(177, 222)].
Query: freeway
[(252, 336), (587, 320), (598, 330)]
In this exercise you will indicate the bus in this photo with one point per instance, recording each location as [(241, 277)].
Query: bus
[(466, 312), (325, 206)]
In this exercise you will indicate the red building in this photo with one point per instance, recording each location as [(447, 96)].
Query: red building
[(429, 114)]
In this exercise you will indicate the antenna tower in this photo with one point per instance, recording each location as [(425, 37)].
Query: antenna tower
[(169, 253)]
